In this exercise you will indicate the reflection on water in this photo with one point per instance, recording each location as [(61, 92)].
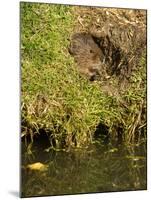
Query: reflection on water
[(100, 168)]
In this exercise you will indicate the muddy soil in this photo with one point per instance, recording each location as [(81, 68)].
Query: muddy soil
[(109, 42)]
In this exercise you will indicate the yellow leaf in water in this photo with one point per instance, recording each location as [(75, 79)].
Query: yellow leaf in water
[(37, 166)]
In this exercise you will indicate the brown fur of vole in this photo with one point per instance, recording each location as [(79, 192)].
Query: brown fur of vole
[(87, 54)]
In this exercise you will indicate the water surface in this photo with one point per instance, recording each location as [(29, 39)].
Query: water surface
[(100, 168)]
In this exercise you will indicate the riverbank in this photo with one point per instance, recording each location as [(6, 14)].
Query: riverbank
[(56, 100)]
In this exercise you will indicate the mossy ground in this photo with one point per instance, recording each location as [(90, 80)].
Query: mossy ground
[(55, 98)]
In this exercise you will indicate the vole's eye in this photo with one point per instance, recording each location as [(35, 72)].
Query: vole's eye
[(91, 51), (92, 78)]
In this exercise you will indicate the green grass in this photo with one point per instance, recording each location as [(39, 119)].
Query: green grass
[(54, 97)]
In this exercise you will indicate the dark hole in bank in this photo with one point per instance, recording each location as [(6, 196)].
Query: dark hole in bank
[(102, 133), (42, 139)]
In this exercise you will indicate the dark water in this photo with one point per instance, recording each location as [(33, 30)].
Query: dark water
[(100, 168)]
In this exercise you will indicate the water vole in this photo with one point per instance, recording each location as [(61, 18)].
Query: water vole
[(87, 54)]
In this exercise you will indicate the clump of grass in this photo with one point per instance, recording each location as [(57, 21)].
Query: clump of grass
[(54, 97), (135, 96)]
